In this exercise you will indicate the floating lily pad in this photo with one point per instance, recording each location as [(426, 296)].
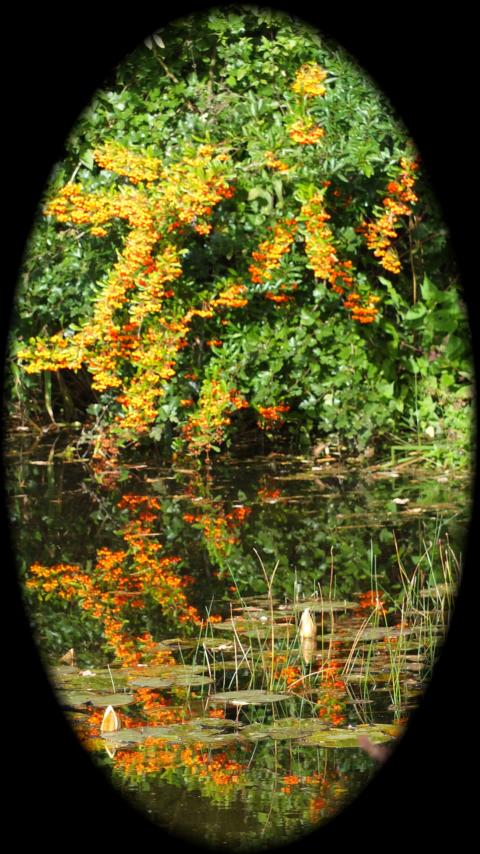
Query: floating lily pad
[(217, 644), (439, 590), (63, 672), (100, 680), (280, 630), (74, 698), (248, 698), (285, 728), (240, 625), (214, 723), (368, 633), (183, 643), (124, 736), (175, 680), (80, 698), (367, 676), (261, 601), (324, 606), (185, 733), (348, 736)]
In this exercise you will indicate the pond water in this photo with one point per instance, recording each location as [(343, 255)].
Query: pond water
[(260, 632)]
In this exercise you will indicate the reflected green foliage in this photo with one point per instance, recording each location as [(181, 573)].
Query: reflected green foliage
[(254, 734)]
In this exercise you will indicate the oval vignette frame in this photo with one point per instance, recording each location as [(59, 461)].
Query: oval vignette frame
[(60, 784)]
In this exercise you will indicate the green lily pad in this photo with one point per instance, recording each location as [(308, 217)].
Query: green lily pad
[(176, 680), (74, 698), (214, 723), (264, 632), (368, 633), (325, 606), (120, 699), (183, 643), (100, 680), (438, 591), (124, 736), (285, 728), (185, 733), (367, 676), (348, 736), (239, 624), (217, 644), (80, 698), (248, 698)]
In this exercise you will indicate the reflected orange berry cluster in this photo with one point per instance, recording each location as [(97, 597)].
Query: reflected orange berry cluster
[(122, 581), (331, 693), (219, 528), (372, 600)]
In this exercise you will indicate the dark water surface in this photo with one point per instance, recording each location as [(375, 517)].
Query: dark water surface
[(171, 586)]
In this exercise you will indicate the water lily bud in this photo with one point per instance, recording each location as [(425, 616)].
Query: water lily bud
[(308, 628), (111, 721)]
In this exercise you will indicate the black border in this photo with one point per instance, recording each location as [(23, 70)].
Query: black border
[(426, 65)]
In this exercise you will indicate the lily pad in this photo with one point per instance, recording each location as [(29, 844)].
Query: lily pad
[(124, 736), (217, 644), (214, 723), (280, 630), (284, 728), (438, 591), (253, 697), (81, 698), (184, 733), (368, 633), (183, 643), (175, 680), (100, 680), (348, 736), (324, 606), (74, 698), (240, 625)]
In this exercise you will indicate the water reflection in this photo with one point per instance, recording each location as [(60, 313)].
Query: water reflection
[(152, 592)]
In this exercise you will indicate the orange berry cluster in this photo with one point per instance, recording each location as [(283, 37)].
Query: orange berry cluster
[(309, 80), (308, 83), (138, 168), (323, 260), (271, 417), (135, 288), (319, 238), (305, 132), (206, 426), (274, 163), (269, 254), (381, 232), (362, 310)]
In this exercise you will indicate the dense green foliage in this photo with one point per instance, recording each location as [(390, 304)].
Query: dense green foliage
[(225, 78)]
